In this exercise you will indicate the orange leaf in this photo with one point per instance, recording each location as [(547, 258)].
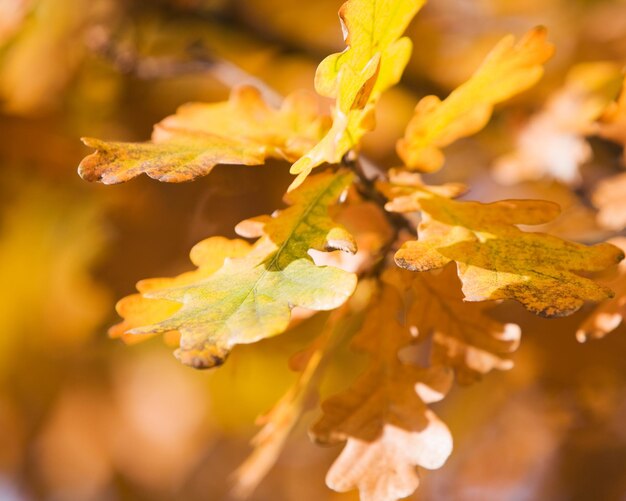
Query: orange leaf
[(464, 336), (384, 416)]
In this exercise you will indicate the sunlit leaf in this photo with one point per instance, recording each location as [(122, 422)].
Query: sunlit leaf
[(507, 70), (373, 61), (241, 131), (497, 260), (250, 297)]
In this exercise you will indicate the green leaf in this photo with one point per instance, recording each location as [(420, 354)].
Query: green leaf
[(250, 298)]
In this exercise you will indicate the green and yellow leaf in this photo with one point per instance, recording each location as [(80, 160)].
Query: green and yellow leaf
[(251, 295), (508, 69), (241, 131), (384, 415), (373, 61), (497, 260)]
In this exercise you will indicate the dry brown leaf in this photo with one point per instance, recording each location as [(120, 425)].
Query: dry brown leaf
[(384, 415), (464, 336)]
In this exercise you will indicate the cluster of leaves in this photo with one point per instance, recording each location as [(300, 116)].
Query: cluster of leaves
[(403, 289)]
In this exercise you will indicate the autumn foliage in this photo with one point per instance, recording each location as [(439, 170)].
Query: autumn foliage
[(396, 262)]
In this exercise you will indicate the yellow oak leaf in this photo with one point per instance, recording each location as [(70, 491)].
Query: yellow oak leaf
[(241, 131), (373, 61), (497, 260), (464, 336), (508, 69), (383, 416), (251, 295), (608, 315), (552, 143)]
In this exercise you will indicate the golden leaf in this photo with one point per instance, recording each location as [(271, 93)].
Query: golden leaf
[(251, 296), (384, 416), (497, 260), (241, 131), (508, 69), (373, 61)]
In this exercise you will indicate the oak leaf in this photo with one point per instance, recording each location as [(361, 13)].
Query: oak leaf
[(137, 310), (383, 416), (464, 336), (508, 69), (251, 296), (373, 61), (241, 131), (608, 315), (497, 260)]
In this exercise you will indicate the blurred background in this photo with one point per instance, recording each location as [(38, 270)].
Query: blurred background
[(84, 417)]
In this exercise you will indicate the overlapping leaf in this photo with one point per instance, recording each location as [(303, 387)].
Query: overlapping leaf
[(497, 260), (507, 70), (384, 416), (373, 61), (464, 336), (608, 315), (241, 131), (250, 297)]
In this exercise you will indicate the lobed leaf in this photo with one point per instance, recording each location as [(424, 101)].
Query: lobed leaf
[(241, 131), (497, 260), (373, 61), (251, 295), (507, 70), (464, 336), (384, 416)]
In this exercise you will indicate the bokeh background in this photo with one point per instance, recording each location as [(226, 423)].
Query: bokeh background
[(84, 417)]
